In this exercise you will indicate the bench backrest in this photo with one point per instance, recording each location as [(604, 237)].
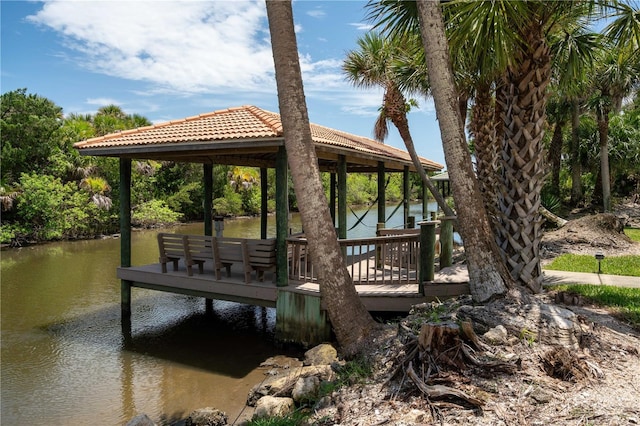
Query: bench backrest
[(198, 247), (229, 249), (171, 245), (262, 252)]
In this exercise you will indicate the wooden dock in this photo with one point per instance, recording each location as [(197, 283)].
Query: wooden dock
[(385, 273)]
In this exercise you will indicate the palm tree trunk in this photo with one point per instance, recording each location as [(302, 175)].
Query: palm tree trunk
[(394, 105), (603, 134), (483, 130), (523, 160), (576, 163), (554, 156), (488, 276), (351, 321)]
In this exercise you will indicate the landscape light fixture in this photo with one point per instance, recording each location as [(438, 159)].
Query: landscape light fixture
[(599, 256)]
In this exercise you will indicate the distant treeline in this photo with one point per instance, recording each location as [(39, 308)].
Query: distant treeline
[(49, 192)]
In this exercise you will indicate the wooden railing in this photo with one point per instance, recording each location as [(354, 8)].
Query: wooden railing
[(392, 259)]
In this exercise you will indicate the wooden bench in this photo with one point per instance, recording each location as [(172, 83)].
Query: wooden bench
[(227, 251), (262, 257), (171, 248), (197, 250)]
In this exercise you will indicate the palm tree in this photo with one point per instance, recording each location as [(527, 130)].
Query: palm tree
[(615, 76), (373, 65), (351, 321), (507, 39), (488, 276)]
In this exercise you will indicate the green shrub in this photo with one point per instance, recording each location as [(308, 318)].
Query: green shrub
[(153, 213), (230, 204)]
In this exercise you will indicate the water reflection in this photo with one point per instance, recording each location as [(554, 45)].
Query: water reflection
[(65, 359)]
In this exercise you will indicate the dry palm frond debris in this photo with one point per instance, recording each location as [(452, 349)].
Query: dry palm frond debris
[(436, 357)]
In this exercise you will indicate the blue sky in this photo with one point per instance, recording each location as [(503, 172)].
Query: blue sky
[(168, 60)]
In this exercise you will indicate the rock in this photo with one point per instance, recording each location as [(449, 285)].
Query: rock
[(323, 402), (541, 396), (416, 417), (141, 420), (206, 417), (323, 354), (282, 385), (497, 334), (271, 406), (306, 389)]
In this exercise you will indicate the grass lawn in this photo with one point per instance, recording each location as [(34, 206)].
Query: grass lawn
[(633, 233), (614, 265), (623, 301)]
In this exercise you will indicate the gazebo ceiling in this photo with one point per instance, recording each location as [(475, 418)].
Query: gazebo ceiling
[(244, 136)]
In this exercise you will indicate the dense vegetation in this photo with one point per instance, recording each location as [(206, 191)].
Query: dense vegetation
[(48, 191)]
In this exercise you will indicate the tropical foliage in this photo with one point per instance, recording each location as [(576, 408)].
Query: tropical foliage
[(48, 191)]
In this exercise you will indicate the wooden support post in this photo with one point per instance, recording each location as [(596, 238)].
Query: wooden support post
[(379, 264), (427, 252), (406, 195), (446, 241), (425, 202), (264, 210), (300, 319), (411, 222), (342, 196), (282, 218), (208, 212), (332, 197), (382, 199), (125, 235), (208, 198)]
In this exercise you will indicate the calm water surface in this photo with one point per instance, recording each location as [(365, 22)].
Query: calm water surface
[(64, 359)]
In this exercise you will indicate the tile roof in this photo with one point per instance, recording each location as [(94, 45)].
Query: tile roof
[(240, 124)]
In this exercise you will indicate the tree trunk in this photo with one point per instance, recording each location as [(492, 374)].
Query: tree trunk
[(483, 130), (522, 157), (554, 156), (394, 105), (603, 133), (576, 162), (351, 321), (488, 276)]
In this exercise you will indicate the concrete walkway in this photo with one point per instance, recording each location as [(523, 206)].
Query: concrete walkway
[(564, 277), (459, 274)]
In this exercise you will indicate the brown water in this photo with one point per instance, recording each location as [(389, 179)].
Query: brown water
[(64, 359)]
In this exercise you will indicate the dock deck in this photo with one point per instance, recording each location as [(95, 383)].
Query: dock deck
[(378, 297)]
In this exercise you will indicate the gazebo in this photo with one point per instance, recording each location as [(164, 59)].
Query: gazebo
[(253, 137)]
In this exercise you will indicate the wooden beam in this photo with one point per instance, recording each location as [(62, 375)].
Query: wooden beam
[(382, 200), (406, 195), (282, 218), (332, 197), (342, 197), (264, 211), (125, 235), (208, 198)]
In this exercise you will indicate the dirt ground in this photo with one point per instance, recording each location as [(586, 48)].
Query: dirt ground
[(595, 383)]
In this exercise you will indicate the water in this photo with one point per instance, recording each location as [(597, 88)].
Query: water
[(64, 357)]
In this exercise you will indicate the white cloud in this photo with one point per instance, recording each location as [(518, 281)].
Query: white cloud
[(361, 26), (102, 101), (317, 13), (184, 46)]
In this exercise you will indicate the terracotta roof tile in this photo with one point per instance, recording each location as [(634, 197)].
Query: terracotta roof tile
[(236, 123)]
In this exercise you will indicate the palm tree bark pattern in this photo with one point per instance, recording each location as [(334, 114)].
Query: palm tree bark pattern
[(522, 158), (488, 276)]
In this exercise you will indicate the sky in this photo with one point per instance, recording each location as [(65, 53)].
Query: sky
[(168, 60)]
